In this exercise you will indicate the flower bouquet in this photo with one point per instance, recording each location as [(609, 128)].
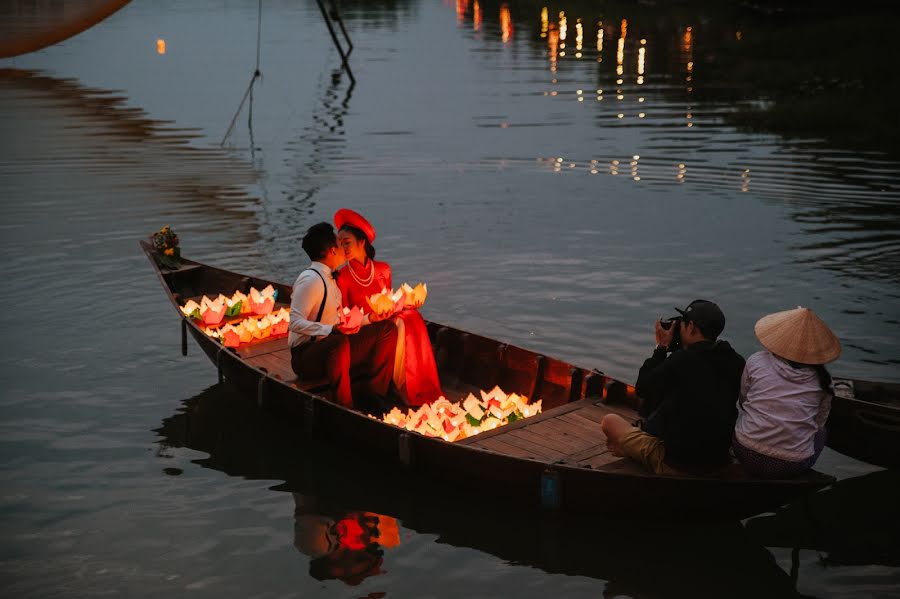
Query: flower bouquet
[(165, 242)]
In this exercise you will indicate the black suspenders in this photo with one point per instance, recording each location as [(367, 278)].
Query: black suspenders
[(324, 297)]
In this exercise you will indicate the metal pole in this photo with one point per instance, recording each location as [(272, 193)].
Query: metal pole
[(334, 38), (336, 15)]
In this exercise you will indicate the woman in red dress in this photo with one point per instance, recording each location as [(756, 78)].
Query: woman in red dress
[(415, 373)]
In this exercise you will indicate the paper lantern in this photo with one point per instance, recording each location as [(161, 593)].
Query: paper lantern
[(387, 301), (191, 309), (279, 321), (415, 296), (260, 329), (212, 311), (452, 422), (245, 332), (351, 317), (230, 336), (262, 302), (234, 304)]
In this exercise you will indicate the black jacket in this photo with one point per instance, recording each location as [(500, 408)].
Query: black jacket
[(690, 401)]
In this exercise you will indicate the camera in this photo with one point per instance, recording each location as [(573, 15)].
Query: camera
[(673, 323)]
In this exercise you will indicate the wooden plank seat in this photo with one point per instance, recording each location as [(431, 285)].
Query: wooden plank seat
[(568, 434)]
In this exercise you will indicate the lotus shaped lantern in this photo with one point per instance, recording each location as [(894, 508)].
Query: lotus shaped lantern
[(212, 311), (262, 302), (415, 296)]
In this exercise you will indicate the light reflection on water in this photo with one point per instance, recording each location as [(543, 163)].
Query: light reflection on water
[(534, 212)]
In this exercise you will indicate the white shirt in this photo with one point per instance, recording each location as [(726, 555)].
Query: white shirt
[(781, 408), (305, 301)]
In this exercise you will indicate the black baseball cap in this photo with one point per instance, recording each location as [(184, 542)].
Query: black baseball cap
[(706, 315)]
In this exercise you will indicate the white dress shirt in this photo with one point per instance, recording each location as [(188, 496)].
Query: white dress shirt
[(305, 301)]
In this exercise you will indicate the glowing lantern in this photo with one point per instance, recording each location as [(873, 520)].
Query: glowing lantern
[(235, 303), (246, 334), (260, 329), (279, 321), (243, 300), (351, 317), (230, 336), (191, 309), (262, 302), (415, 296), (387, 301), (212, 311)]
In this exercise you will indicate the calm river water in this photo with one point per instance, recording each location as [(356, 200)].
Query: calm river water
[(558, 183)]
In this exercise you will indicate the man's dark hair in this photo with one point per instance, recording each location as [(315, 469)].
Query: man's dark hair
[(318, 240)]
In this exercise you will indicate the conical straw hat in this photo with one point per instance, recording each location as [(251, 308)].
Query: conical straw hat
[(798, 335)]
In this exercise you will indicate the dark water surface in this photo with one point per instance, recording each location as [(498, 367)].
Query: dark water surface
[(540, 211)]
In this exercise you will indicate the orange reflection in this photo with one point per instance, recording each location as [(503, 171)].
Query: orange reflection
[(642, 55), (563, 28), (506, 26), (599, 37), (461, 7), (544, 22), (579, 31), (624, 28), (476, 16), (620, 56), (160, 46), (553, 45), (687, 40)]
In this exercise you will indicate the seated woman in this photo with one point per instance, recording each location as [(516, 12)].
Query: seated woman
[(415, 372), (785, 395)]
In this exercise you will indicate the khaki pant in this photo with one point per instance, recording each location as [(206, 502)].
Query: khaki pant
[(647, 450)]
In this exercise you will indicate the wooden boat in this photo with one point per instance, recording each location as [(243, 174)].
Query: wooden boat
[(864, 422), (557, 459)]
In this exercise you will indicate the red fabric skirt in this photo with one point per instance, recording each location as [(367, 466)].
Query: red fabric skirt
[(422, 382)]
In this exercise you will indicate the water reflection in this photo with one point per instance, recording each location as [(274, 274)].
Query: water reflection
[(849, 203), (346, 545), (342, 502)]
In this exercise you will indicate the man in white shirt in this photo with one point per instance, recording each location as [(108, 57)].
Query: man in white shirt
[(323, 348)]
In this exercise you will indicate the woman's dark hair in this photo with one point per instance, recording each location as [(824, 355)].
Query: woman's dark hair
[(357, 232), (318, 240), (824, 378)]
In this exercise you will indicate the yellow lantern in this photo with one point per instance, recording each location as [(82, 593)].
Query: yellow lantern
[(190, 309), (415, 296)]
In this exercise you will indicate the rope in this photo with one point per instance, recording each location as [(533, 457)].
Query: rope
[(256, 74)]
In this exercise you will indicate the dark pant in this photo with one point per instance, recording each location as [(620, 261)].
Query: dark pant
[(364, 361)]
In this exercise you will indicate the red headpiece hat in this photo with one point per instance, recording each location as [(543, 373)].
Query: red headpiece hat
[(345, 216)]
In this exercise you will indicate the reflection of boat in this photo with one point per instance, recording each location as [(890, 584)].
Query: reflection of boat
[(854, 522), (558, 458), (865, 422), (329, 482)]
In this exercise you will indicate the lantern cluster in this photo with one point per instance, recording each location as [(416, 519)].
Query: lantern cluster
[(252, 328), (213, 310), (453, 422)]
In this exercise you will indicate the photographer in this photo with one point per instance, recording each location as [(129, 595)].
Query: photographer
[(689, 387)]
